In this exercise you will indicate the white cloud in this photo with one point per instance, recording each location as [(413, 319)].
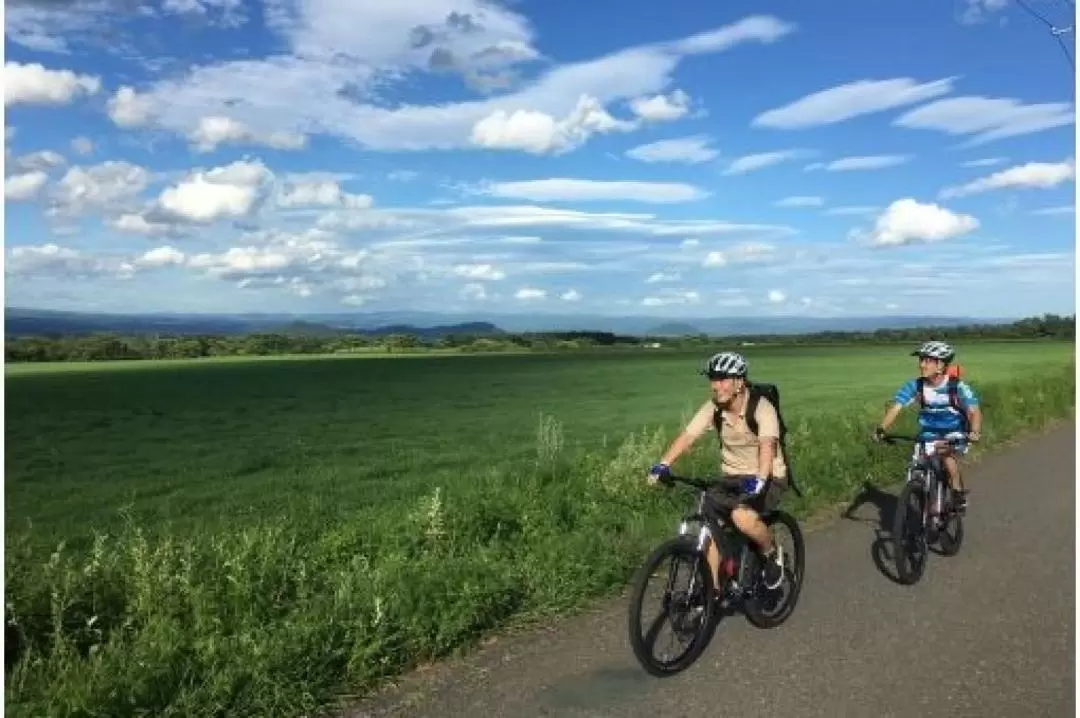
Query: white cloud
[(663, 277), (776, 296), (800, 201), (744, 253), (474, 291), (539, 133), (1033, 175), (320, 193), (661, 108), (570, 295), (232, 191), (851, 210), (43, 160), (161, 257), (110, 187), (868, 162), (127, 108), (849, 100), (691, 150), (484, 272), (34, 84), (216, 130), (750, 163), (24, 187), (907, 221), (56, 261), (978, 11), (986, 118), (566, 189), (526, 294), (344, 55), (671, 297)]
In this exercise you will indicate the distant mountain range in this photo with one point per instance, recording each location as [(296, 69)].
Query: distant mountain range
[(20, 321)]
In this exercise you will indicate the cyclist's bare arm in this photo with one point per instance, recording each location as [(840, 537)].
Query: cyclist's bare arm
[(698, 426), (890, 415)]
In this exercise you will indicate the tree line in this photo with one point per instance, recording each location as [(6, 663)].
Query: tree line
[(113, 346)]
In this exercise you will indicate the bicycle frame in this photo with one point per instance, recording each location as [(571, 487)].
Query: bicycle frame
[(731, 545), (928, 469)]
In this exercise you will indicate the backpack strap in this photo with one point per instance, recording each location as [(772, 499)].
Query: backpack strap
[(920, 385), (751, 422)]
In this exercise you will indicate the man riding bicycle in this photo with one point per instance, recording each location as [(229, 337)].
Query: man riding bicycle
[(949, 409), (755, 459)]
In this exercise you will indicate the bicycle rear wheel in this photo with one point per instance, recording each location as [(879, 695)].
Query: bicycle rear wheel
[(690, 609), (909, 533), (768, 608)]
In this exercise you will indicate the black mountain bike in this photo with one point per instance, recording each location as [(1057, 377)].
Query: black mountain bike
[(916, 527), (695, 609)]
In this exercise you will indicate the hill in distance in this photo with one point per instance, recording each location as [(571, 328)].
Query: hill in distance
[(37, 322)]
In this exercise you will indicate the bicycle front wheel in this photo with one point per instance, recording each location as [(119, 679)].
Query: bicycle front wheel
[(686, 601), (909, 533)]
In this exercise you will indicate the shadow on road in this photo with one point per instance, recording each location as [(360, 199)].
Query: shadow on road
[(881, 550)]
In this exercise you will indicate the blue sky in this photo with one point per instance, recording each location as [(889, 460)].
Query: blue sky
[(677, 159)]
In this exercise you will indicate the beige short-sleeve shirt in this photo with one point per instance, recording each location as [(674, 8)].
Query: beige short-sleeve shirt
[(739, 445)]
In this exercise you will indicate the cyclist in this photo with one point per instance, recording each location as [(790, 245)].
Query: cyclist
[(948, 408), (756, 460)]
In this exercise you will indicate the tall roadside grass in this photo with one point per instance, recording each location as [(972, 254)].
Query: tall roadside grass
[(282, 618)]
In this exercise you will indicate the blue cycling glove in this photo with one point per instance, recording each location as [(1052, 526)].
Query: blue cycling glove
[(753, 486), (661, 470)]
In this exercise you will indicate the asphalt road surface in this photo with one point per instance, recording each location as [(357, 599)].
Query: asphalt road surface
[(986, 633)]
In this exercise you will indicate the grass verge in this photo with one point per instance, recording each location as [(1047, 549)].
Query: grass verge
[(278, 618)]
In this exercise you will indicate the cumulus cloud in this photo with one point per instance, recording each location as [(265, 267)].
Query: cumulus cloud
[(25, 186), (43, 160), (776, 296), (907, 221), (527, 294), (320, 193), (216, 130), (570, 295), (1033, 175), (661, 108), (987, 119), (690, 150), (539, 133), (110, 187), (233, 191), (52, 260), (849, 100), (34, 84)]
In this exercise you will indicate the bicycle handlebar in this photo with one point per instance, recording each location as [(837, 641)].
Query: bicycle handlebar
[(893, 438), (703, 484)]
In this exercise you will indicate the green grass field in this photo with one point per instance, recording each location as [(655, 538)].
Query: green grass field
[(281, 530)]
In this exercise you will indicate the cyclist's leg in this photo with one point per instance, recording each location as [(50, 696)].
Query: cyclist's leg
[(747, 518), (951, 460), (718, 501)]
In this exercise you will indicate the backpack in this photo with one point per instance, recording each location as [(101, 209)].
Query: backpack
[(953, 387), (772, 393)]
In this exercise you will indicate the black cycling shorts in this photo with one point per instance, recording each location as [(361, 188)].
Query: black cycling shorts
[(727, 495)]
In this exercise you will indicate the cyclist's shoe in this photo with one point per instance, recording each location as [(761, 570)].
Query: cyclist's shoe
[(773, 568)]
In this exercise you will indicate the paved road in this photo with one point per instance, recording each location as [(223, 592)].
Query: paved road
[(994, 624)]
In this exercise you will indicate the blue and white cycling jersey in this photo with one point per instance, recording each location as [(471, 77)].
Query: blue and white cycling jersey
[(937, 416)]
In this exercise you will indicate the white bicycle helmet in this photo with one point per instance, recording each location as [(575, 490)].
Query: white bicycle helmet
[(935, 350), (725, 364)]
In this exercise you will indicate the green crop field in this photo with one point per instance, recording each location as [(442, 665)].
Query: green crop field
[(251, 537)]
